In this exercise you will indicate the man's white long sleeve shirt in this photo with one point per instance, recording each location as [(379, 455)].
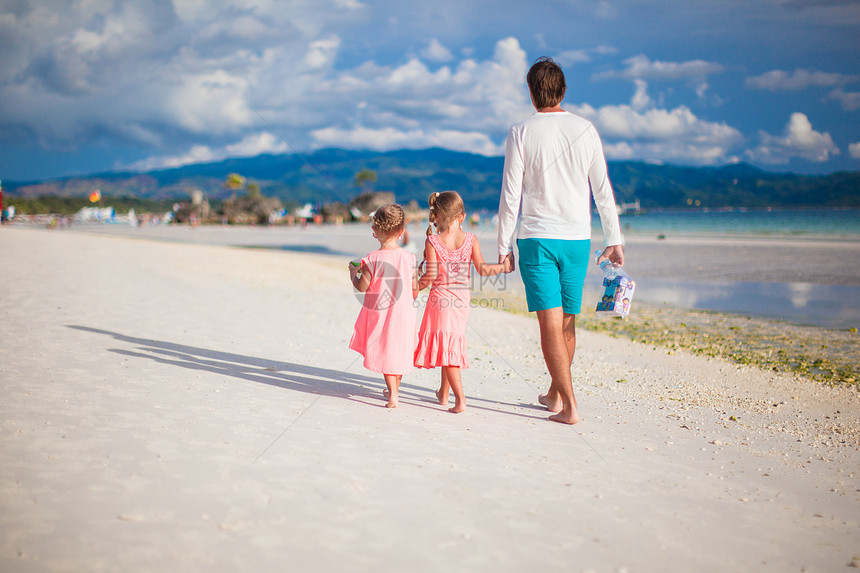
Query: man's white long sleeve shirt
[(553, 162)]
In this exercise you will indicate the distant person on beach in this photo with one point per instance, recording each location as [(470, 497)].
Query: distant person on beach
[(385, 331), (449, 255), (553, 162)]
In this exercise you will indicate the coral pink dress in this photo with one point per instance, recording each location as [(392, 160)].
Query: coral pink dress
[(442, 337), (385, 331)]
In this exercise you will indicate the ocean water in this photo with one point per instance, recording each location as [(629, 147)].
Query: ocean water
[(808, 223), (829, 306)]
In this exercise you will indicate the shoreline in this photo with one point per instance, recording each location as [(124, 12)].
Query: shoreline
[(817, 353), (648, 256)]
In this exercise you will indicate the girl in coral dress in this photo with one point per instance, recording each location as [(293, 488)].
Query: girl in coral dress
[(385, 331), (449, 255)]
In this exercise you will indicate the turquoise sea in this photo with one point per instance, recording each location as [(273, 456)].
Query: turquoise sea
[(830, 306), (825, 223)]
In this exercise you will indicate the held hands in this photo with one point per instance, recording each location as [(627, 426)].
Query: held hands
[(508, 262)]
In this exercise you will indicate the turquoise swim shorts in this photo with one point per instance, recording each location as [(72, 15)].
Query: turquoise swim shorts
[(553, 272)]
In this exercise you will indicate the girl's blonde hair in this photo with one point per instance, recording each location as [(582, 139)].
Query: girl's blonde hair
[(390, 219), (445, 207)]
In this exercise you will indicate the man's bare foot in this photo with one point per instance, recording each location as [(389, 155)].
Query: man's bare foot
[(551, 405), (442, 397), (458, 407), (566, 417)]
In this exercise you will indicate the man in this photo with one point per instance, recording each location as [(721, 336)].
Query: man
[(553, 162)]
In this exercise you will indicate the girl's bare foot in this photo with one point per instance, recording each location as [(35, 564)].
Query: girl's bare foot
[(386, 393), (458, 407), (392, 402), (551, 405), (442, 397), (566, 417)]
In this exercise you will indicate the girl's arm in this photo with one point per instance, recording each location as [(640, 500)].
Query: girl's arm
[(360, 279), (432, 266), (415, 288), (484, 269)]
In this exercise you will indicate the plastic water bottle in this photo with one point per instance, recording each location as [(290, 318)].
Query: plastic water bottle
[(610, 270), (618, 292)]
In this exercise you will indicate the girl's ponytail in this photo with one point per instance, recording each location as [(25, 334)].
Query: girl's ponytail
[(432, 217), (445, 207)]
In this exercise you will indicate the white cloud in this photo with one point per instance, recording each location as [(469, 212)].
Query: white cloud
[(322, 53), (249, 146), (571, 57), (850, 100), (779, 80), (436, 52), (349, 4), (641, 99), (798, 140), (467, 108), (159, 78), (644, 131), (243, 29), (389, 138), (256, 144), (190, 80), (471, 103), (643, 68), (416, 74), (214, 102), (854, 150), (475, 96)]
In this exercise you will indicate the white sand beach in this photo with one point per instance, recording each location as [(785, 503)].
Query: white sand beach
[(170, 406)]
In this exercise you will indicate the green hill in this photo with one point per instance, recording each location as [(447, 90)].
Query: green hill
[(327, 175)]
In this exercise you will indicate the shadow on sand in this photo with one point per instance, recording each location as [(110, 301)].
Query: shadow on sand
[(288, 375), (272, 372)]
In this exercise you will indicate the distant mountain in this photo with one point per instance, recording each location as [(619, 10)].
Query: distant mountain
[(327, 175)]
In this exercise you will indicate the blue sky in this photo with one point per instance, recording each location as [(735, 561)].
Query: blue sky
[(97, 85)]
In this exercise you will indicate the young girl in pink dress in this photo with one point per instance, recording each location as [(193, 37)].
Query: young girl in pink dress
[(449, 255), (384, 332)]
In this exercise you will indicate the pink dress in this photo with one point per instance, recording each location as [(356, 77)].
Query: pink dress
[(442, 337), (385, 331)]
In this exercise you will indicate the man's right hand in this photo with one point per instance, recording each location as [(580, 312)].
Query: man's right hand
[(508, 261), (615, 253)]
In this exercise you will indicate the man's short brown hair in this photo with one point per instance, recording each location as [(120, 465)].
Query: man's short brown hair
[(546, 83)]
